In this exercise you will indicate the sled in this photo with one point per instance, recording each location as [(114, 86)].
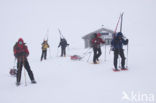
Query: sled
[(75, 57)]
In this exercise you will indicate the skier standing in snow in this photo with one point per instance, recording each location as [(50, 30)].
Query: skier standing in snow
[(45, 45), (63, 43), (96, 47), (21, 53), (117, 46)]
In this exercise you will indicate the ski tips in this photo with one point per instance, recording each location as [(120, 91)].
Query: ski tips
[(116, 70)]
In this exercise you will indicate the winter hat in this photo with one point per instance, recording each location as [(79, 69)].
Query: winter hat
[(119, 34), (20, 40)]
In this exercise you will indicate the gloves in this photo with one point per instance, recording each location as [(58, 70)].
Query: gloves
[(16, 55), (112, 48), (26, 55), (127, 41)]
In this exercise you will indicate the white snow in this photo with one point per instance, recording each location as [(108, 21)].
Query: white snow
[(61, 80)]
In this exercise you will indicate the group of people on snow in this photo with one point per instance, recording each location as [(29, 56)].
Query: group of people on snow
[(117, 46), (63, 44), (21, 52)]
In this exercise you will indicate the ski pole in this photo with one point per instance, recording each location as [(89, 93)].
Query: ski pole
[(105, 50), (24, 72), (68, 50), (14, 63), (105, 53), (18, 67), (110, 49), (86, 51), (57, 52), (119, 61), (50, 52), (85, 54), (127, 57), (89, 57)]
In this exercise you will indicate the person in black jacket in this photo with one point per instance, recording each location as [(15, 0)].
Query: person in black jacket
[(117, 46), (96, 42), (63, 44)]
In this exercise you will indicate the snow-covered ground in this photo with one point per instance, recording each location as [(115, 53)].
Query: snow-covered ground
[(61, 80)]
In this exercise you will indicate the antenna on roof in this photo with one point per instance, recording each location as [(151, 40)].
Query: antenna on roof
[(105, 43), (102, 25)]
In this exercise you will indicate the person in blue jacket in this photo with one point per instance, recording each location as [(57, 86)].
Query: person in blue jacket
[(117, 45)]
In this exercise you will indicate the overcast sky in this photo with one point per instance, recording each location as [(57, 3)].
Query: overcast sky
[(31, 18)]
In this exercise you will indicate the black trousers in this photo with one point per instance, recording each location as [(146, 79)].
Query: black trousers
[(44, 54), (20, 64), (97, 54), (63, 51), (121, 53)]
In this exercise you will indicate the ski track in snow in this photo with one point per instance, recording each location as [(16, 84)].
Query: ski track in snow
[(60, 80)]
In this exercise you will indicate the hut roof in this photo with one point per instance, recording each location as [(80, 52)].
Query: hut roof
[(98, 31)]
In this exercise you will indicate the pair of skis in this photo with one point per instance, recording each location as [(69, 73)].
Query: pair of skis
[(118, 70), (120, 19)]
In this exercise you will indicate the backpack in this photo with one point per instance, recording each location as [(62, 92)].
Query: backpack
[(13, 72)]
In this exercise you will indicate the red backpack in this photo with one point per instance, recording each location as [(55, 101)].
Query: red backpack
[(76, 57), (13, 72)]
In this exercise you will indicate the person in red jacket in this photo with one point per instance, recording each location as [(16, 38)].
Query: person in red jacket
[(21, 53), (96, 47)]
